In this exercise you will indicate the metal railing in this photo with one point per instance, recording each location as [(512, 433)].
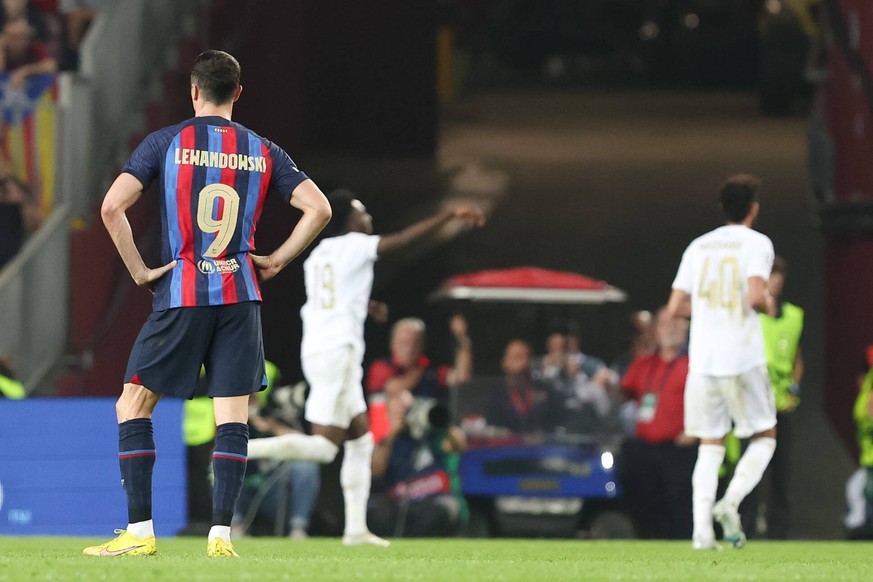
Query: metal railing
[(34, 306)]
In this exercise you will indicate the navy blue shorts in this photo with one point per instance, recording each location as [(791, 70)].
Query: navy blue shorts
[(225, 339)]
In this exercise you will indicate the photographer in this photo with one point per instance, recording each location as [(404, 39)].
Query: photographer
[(416, 491)]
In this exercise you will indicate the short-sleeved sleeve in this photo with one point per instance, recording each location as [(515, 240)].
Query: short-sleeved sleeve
[(145, 162), (286, 175), (761, 259), (683, 280), (362, 247)]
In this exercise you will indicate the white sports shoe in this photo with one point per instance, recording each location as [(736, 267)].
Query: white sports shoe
[(365, 539), (705, 544), (726, 514)]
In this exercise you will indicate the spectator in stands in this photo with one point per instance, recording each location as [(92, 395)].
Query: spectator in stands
[(19, 216), (656, 467), (77, 18), (22, 56), (23, 9), (518, 402), (10, 387), (409, 370), (416, 490)]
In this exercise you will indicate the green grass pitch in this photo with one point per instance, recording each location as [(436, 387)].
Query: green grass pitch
[(455, 560)]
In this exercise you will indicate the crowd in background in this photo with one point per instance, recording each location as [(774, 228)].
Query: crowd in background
[(36, 37), (416, 487)]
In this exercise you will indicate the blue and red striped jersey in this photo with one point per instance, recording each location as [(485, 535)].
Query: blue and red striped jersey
[(214, 175)]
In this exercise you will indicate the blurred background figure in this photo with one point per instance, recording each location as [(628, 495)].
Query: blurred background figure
[(656, 466), (416, 490), (583, 382), (518, 402), (408, 369), (767, 510), (278, 497), (10, 387), (859, 488), (21, 55)]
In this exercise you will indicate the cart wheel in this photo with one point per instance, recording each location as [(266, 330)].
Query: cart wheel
[(479, 524), (611, 525)]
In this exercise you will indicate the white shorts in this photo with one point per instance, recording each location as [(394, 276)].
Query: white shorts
[(712, 402), (336, 394)]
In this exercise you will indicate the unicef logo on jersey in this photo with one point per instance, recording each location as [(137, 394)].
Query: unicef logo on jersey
[(208, 267)]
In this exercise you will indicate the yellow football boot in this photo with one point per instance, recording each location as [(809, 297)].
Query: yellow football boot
[(218, 548), (125, 544)]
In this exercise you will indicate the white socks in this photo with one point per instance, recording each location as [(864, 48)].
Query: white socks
[(704, 482), (141, 529), (355, 477), (297, 446), (750, 469), (219, 531)]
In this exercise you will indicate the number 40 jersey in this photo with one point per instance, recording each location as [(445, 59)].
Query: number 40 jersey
[(214, 175), (725, 337)]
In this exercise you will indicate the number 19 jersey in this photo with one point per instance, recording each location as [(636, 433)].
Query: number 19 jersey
[(214, 175), (338, 275), (725, 337)]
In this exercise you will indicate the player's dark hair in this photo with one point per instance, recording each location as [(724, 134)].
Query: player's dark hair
[(341, 207), (737, 196), (217, 75)]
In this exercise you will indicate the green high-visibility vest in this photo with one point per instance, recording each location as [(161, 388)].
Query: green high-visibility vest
[(198, 421), (198, 424), (863, 422), (272, 372), (11, 389), (781, 339)]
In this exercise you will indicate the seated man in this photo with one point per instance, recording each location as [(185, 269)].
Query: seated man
[(518, 402), (416, 492), (279, 493), (583, 380)]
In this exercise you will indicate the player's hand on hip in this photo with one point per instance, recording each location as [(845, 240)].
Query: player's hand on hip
[(150, 277), (264, 264), (469, 215)]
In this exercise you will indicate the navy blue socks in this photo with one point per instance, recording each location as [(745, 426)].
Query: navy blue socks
[(229, 467), (136, 457)]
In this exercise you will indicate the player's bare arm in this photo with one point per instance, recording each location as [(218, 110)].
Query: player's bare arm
[(123, 193), (468, 215), (679, 304), (309, 199), (759, 297)]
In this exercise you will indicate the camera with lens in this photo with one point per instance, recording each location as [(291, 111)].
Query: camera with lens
[(424, 415)]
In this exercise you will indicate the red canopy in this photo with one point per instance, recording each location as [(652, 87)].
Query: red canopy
[(528, 284)]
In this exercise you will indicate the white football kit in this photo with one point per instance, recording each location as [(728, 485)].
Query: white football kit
[(727, 375), (338, 276)]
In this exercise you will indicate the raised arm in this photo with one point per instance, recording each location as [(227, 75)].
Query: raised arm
[(123, 193), (309, 199), (462, 371), (390, 243)]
